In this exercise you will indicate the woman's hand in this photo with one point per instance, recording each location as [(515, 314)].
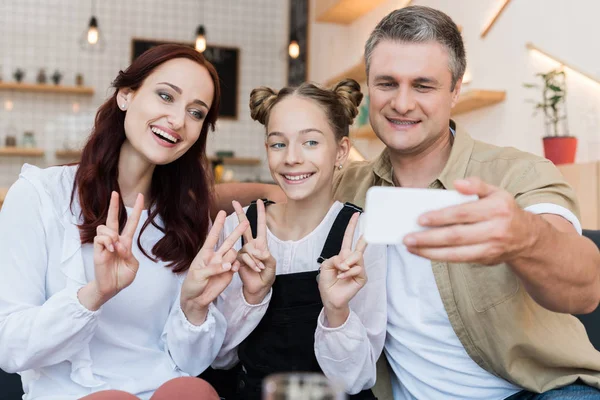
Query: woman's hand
[(210, 272), (115, 267), (257, 265), (342, 276)]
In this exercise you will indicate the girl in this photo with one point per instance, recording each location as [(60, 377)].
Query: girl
[(307, 305), (108, 273)]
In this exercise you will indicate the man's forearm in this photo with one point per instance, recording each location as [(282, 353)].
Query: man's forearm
[(560, 269)]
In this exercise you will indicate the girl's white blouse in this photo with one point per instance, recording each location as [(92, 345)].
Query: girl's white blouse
[(346, 354)]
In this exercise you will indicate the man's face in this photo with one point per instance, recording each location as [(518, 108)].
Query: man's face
[(410, 94)]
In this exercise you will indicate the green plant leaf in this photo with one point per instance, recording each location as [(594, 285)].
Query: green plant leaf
[(555, 88)]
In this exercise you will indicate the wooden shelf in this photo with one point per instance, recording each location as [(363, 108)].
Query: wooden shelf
[(345, 11), (237, 160), (67, 153), (74, 154), (475, 99), (2, 195), (495, 16), (47, 88), (555, 59), (356, 72), (21, 152)]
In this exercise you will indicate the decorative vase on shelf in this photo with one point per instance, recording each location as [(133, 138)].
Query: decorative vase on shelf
[(19, 74), (79, 79), (11, 136), (56, 77), (10, 141), (41, 77), (28, 140)]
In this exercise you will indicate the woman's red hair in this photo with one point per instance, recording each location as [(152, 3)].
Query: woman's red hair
[(181, 192)]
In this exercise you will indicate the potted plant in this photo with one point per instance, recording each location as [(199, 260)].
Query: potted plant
[(559, 146)]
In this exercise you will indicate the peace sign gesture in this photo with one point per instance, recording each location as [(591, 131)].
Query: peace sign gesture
[(342, 276), (115, 266), (258, 267), (211, 271)]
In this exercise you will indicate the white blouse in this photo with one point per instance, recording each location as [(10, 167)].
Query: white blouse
[(346, 354), (136, 341)]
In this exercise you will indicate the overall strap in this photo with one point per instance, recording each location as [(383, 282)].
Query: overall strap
[(252, 215), (334, 240)]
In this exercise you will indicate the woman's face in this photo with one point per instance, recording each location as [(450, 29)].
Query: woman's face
[(164, 117), (302, 150)]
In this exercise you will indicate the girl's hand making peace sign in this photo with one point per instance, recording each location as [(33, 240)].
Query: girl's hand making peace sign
[(258, 267), (210, 272), (342, 276)]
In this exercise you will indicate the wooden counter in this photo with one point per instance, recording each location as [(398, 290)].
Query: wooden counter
[(2, 195)]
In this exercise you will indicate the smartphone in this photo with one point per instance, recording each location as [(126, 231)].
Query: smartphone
[(391, 213)]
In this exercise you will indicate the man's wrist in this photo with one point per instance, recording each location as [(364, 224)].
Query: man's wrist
[(534, 227)]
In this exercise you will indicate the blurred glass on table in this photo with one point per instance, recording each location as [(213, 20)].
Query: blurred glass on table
[(301, 386)]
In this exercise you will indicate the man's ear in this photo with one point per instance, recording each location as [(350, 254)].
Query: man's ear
[(456, 91)]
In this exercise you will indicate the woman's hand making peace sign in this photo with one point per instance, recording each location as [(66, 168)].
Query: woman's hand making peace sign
[(210, 272), (258, 267), (342, 276), (115, 267)]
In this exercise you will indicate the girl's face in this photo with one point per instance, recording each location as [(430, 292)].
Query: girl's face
[(302, 150), (165, 115)]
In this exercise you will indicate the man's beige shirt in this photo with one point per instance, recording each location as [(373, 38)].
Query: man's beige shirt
[(501, 327)]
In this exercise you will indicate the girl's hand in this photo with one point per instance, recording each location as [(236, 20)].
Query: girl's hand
[(257, 265), (342, 276)]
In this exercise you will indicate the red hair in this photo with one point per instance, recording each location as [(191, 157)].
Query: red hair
[(181, 192)]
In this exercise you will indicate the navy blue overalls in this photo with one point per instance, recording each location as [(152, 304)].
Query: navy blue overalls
[(284, 339)]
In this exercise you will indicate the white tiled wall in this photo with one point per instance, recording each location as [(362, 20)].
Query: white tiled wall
[(45, 34)]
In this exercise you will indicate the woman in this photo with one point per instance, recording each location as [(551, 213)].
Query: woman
[(307, 305), (109, 270)]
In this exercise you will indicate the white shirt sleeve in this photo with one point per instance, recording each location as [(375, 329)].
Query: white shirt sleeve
[(35, 331), (242, 317), (549, 208), (348, 354), (194, 347)]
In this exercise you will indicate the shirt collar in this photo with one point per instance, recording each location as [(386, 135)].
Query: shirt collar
[(455, 168)]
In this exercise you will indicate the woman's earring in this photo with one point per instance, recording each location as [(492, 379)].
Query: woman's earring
[(340, 166), (123, 106)]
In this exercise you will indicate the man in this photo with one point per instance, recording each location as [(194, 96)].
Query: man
[(488, 318)]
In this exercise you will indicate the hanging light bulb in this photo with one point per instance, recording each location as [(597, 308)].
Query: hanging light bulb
[(92, 35), (92, 39), (200, 39), (294, 48)]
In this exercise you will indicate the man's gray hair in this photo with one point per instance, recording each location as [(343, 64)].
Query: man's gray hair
[(418, 24)]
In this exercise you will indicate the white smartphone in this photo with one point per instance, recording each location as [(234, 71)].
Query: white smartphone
[(391, 213)]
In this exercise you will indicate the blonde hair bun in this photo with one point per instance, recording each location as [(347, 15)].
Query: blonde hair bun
[(262, 100)]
